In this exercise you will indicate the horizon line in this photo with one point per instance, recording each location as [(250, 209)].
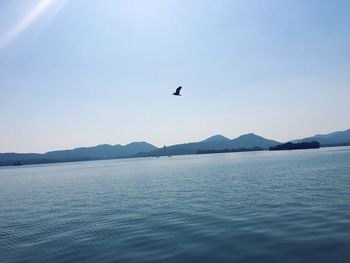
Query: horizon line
[(144, 141)]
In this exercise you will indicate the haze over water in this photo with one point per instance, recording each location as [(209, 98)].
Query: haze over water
[(238, 207)]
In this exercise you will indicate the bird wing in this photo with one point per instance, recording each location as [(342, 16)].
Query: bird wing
[(178, 89)]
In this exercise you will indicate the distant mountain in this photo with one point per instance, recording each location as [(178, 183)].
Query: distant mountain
[(137, 147), (216, 138), (252, 140), (104, 151), (214, 143), (338, 138), (10, 157), (296, 146)]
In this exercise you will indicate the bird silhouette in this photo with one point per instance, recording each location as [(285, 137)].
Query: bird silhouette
[(177, 92)]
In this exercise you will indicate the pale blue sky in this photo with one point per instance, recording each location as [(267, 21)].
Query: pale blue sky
[(81, 72)]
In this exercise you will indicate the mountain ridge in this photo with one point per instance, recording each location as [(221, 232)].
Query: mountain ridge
[(212, 144), (217, 137), (101, 151), (215, 143), (337, 138)]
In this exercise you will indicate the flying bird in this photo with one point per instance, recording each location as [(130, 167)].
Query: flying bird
[(177, 92)]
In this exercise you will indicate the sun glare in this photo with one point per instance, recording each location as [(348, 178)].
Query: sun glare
[(39, 9)]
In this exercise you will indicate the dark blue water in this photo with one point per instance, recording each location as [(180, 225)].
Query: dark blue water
[(291, 206)]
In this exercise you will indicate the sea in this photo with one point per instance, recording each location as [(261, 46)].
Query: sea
[(280, 206)]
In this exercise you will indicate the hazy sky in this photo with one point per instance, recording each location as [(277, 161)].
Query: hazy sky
[(82, 72)]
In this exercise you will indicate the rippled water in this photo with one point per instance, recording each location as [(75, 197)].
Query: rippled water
[(291, 206)]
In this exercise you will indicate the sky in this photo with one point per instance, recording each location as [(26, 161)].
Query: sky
[(83, 73)]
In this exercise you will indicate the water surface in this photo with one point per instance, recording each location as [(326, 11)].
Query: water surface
[(290, 206)]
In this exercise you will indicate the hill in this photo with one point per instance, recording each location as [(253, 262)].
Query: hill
[(339, 138), (216, 138), (104, 151), (296, 146), (214, 143)]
